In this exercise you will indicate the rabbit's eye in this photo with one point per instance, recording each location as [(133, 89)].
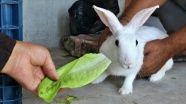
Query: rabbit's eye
[(117, 42), (136, 42)]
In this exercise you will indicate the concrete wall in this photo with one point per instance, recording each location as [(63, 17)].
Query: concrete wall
[(46, 21)]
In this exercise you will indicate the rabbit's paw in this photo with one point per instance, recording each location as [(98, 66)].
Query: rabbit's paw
[(156, 77), (125, 91)]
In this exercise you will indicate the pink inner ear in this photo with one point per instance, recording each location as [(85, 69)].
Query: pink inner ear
[(109, 19), (141, 17)]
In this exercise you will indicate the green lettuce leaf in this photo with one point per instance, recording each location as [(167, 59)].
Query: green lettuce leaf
[(77, 73)]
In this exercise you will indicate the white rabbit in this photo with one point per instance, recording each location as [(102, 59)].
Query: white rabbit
[(126, 46)]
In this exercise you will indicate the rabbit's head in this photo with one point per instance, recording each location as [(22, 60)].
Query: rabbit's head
[(125, 37)]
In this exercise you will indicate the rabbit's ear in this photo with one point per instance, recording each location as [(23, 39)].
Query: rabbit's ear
[(141, 17), (108, 18)]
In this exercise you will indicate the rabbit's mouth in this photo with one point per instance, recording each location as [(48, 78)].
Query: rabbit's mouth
[(128, 67), (125, 66)]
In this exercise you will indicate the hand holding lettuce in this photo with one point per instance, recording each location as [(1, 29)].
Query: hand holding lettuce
[(77, 73)]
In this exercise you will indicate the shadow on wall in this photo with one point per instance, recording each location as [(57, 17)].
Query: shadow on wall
[(63, 20), (63, 24)]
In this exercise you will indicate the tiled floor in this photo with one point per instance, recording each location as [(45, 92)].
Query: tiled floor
[(170, 90)]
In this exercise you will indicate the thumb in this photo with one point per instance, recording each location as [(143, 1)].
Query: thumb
[(49, 68), (147, 49), (143, 71), (40, 56)]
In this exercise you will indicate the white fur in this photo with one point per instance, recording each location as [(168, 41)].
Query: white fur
[(127, 58)]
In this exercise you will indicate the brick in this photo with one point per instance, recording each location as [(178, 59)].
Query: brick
[(81, 44)]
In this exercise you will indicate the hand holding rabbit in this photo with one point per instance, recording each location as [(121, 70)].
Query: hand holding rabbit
[(156, 50)]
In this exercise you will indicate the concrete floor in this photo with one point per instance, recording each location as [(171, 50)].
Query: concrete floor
[(170, 90)]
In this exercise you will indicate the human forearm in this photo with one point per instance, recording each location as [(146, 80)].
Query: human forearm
[(134, 6), (176, 42)]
